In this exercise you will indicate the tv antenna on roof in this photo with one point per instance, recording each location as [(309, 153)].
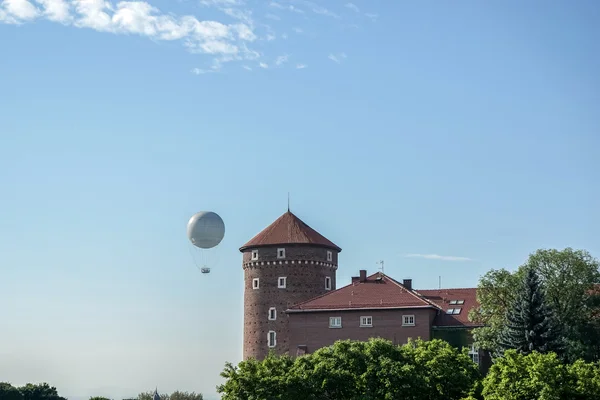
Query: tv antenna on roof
[(381, 268)]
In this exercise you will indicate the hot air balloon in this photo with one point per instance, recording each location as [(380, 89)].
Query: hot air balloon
[(205, 230)]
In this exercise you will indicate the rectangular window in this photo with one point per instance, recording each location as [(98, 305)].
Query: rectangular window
[(272, 339), (254, 255), (327, 283), (272, 314), (282, 282), (460, 302), (280, 253), (456, 311), (408, 320), (474, 353), (255, 283), (335, 322), (329, 256), (450, 311), (453, 302), (366, 321)]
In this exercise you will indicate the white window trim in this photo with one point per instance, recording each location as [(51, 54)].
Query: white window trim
[(255, 283), (274, 310), (280, 250), (404, 320), (279, 285), (329, 255), (474, 354), (364, 324), (327, 283), (335, 326), (254, 255), (274, 339)]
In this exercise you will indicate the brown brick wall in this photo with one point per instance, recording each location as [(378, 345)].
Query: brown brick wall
[(312, 328), (305, 268)]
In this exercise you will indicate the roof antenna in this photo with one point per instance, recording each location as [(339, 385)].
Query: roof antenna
[(381, 262), (440, 282), (288, 201)]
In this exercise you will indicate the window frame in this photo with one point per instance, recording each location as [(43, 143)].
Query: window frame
[(406, 317), (327, 283), (366, 321), (334, 326), (274, 342), (274, 311), (254, 255), (279, 285), (255, 283), (329, 255), (281, 250), (474, 354)]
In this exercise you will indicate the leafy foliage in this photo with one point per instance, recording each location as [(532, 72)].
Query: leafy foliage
[(538, 376), (41, 391), (568, 277), (530, 323), (9, 392), (354, 370)]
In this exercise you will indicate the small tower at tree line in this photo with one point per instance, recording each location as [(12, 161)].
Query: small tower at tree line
[(286, 263)]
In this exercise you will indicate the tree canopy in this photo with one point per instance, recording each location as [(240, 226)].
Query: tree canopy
[(531, 325), (568, 277), (354, 370), (30, 391)]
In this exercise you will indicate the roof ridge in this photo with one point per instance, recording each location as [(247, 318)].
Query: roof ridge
[(320, 296), (439, 290), (413, 292)]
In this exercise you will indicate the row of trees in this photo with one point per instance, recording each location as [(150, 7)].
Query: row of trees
[(549, 304), (43, 391), (419, 370)]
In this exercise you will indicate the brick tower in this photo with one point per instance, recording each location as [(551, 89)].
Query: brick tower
[(285, 264)]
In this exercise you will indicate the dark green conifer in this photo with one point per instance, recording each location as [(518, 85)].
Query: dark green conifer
[(530, 322)]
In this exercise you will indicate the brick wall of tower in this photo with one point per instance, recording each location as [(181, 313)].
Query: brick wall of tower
[(305, 269)]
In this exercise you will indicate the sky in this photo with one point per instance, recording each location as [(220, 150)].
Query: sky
[(445, 138)]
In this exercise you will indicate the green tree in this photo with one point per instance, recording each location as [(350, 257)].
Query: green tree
[(99, 398), (538, 376), (530, 323), (569, 277), (355, 370), (41, 391), (9, 392)]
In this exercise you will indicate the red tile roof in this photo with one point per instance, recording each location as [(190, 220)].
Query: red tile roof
[(289, 229), (385, 292), (443, 297), (373, 293)]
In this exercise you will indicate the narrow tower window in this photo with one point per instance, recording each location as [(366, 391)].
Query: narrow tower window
[(255, 283), (272, 314), (254, 255), (280, 253), (327, 283), (282, 282), (329, 255), (272, 339)]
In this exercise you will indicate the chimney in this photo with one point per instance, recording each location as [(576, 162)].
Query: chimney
[(363, 275), (407, 284)]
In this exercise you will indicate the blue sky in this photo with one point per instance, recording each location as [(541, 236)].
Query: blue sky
[(445, 138)]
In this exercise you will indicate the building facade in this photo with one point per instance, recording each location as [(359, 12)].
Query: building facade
[(292, 305), (285, 264)]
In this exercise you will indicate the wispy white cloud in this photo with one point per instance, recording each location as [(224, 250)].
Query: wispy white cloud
[(372, 16), (298, 30), (263, 65), (438, 257), (337, 57), (352, 6), (301, 66), (273, 17), (281, 60), (247, 68), (317, 9), (289, 7)]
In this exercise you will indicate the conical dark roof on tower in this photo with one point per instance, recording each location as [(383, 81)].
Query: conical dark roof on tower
[(289, 229)]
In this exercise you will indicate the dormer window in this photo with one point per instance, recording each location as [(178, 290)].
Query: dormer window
[(329, 255), (280, 253), (254, 255)]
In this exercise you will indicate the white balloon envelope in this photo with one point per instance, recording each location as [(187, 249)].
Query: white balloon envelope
[(205, 229)]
